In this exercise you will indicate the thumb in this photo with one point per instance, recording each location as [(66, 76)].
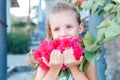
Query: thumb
[(45, 61), (81, 58)]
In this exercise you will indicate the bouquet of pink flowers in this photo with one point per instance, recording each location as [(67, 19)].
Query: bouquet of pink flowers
[(45, 48)]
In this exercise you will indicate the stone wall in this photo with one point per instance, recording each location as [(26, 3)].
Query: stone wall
[(112, 57)]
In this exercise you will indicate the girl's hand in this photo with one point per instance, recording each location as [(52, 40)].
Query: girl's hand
[(56, 60), (69, 59)]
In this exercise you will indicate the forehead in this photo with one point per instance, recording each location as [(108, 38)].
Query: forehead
[(62, 17)]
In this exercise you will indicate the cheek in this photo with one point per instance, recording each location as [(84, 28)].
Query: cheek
[(75, 33), (55, 36)]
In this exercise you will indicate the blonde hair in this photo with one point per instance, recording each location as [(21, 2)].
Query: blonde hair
[(60, 7)]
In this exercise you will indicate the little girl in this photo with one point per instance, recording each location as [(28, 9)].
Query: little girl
[(64, 22)]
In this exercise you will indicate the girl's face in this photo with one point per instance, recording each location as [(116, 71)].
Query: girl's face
[(64, 25)]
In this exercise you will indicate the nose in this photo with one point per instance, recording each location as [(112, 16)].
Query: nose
[(63, 34)]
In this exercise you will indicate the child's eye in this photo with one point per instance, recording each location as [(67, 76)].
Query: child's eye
[(69, 26), (56, 29)]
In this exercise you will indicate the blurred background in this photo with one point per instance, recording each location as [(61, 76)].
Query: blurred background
[(22, 27)]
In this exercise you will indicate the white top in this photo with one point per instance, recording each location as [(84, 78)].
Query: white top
[(64, 78)]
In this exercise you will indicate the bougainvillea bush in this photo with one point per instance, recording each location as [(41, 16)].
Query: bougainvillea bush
[(107, 30)]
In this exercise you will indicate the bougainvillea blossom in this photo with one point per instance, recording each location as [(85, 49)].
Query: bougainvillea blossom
[(45, 48)]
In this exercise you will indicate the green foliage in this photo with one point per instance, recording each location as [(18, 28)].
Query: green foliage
[(32, 24), (107, 30), (64, 73), (18, 42), (91, 48), (93, 5), (84, 65), (90, 42), (118, 14), (19, 24), (101, 6)]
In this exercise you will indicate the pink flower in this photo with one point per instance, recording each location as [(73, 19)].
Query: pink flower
[(45, 48), (79, 2), (55, 43), (37, 55)]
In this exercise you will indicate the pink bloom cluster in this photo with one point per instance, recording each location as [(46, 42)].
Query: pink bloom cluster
[(45, 48), (79, 2)]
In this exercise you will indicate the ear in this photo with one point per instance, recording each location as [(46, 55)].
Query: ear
[(81, 28)]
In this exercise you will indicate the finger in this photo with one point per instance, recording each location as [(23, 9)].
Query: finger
[(52, 56), (60, 56), (81, 58), (72, 50), (45, 61), (55, 56), (70, 54), (65, 55)]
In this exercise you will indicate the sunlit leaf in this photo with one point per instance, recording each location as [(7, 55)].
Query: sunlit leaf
[(100, 2), (116, 21), (100, 12), (118, 14), (94, 8), (108, 7), (112, 31), (87, 4), (64, 73), (105, 24), (113, 10), (101, 34), (90, 56), (90, 42), (84, 65), (115, 0), (81, 43)]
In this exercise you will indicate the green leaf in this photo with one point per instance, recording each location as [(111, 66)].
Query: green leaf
[(79, 7), (87, 4), (64, 73), (94, 47), (84, 65), (90, 56), (108, 7), (61, 74), (116, 21), (81, 43), (89, 36), (108, 30), (105, 24), (94, 8), (90, 42), (101, 34), (118, 14), (112, 31), (100, 12), (113, 10), (115, 0), (100, 2)]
